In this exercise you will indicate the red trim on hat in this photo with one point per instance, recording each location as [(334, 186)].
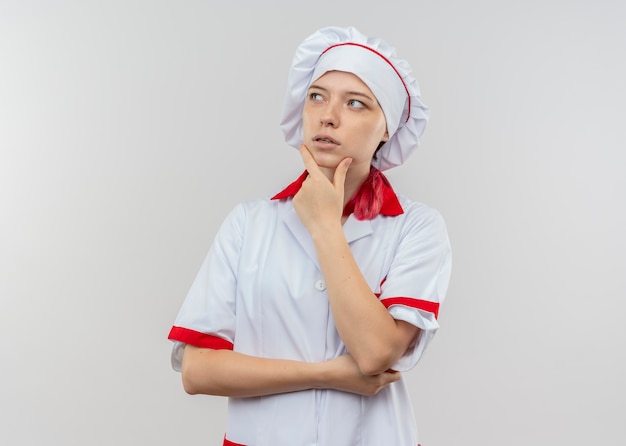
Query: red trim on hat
[(425, 305), (381, 190), (198, 339), (385, 59)]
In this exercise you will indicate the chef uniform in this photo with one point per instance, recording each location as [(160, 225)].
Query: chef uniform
[(260, 290)]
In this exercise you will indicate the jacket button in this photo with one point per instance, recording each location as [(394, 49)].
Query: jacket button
[(320, 285)]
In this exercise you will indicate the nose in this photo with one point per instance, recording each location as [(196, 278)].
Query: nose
[(330, 116)]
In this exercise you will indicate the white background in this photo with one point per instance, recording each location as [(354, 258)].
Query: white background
[(128, 129)]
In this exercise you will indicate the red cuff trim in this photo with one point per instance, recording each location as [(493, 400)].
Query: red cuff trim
[(199, 339), (425, 305)]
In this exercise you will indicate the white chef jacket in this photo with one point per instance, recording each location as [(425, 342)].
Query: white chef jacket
[(260, 291)]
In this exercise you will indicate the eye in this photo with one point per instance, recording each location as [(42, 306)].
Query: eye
[(356, 104), (315, 96)]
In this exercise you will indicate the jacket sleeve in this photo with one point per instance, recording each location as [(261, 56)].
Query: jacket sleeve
[(417, 281), (207, 316)]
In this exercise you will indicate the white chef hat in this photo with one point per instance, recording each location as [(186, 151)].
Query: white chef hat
[(375, 62)]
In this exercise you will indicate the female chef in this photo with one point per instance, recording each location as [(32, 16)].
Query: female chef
[(311, 303)]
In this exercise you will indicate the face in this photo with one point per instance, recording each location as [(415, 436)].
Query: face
[(342, 118)]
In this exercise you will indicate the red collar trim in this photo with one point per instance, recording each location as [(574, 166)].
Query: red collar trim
[(390, 204), (292, 189)]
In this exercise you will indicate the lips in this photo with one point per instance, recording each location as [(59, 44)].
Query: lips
[(325, 139)]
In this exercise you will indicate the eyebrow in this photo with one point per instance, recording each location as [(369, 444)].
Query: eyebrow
[(347, 93)]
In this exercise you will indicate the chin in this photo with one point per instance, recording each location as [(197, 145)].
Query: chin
[(328, 166), (327, 161)]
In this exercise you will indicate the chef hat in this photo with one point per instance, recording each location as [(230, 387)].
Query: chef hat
[(375, 62)]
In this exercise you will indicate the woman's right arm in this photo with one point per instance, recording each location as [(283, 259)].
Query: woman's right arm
[(229, 373)]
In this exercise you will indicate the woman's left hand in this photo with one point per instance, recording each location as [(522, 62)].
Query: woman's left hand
[(319, 202)]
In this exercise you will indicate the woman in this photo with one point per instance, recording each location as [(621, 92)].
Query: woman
[(311, 303)]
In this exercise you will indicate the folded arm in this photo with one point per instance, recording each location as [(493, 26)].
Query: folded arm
[(229, 373), (372, 336)]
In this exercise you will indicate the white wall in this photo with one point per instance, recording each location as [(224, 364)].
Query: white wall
[(128, 129)]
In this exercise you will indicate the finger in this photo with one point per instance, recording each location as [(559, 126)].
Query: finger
[(387, 378), (340, 173), (309, 162)]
